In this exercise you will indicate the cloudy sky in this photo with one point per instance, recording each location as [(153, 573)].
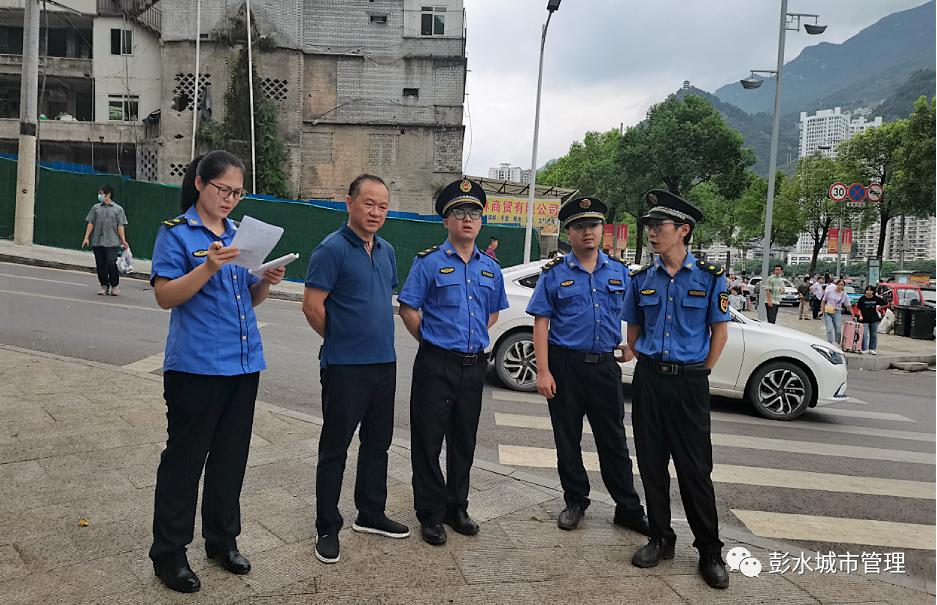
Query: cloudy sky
[(608, 60)]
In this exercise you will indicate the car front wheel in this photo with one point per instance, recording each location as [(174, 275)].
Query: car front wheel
[(780, 390), (515, 362)]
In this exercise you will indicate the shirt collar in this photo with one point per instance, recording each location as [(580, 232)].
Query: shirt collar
[(573, 261), (355, 239), (194, 220), (449, 249), (688, 263)]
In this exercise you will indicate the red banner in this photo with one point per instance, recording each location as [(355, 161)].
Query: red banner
[(833, 237), (608, 235)]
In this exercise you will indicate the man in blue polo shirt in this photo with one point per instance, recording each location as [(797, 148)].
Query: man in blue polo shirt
[(347, 301)]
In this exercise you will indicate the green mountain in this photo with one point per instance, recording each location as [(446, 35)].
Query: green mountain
[(869, 65)]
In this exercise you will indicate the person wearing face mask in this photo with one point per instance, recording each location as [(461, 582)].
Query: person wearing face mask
[(211, 370), (451, 298), (105, 232), (577, 334)]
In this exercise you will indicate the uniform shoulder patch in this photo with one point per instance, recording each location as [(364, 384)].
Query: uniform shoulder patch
[(552, 263), (716, 270), (427, 251), (174, 222), (641, 270)]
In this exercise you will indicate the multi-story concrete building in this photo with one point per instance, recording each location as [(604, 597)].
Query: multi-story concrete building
[(507, 172), (99, 77), (373, 86), (916, 243), (824, 130)]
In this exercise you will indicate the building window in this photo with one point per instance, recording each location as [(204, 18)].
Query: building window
[(411, 92), (433, 21), (379, 19), (122, 108), (121, 41)]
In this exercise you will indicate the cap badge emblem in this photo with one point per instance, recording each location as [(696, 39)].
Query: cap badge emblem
[(585, 203), (465, 186), (652, 198)]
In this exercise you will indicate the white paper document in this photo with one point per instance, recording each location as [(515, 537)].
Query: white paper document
[(255, 240), (277, 262)]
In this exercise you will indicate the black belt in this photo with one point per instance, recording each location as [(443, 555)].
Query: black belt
[(466, 359), (590, 358), (672, 368)]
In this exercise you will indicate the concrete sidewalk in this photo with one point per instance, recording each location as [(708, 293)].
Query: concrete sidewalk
[(81, 440), (891, 349)]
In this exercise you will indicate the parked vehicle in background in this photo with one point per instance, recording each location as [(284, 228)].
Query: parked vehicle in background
[(781, 372), (788, 298), (900, 294)]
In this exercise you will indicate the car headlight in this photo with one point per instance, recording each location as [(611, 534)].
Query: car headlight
[(831, 355)]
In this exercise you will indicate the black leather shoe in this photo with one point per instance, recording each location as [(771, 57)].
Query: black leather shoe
[(177, 575), (230, 558), (570, 517), (433, 534), (636, 523), (462, 523), (652, 553), (713, 569)]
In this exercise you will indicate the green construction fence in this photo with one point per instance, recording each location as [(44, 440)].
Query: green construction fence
[(63, 200)]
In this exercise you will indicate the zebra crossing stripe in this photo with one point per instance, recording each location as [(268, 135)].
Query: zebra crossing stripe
[(753, 443), (536, 457), (837, 530)]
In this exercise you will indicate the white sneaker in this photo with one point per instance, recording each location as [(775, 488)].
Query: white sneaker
[(873, 352)]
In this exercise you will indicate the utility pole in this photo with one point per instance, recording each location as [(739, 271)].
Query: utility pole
[(29, 121)]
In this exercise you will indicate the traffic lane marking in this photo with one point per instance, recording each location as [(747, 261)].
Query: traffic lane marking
[(837, 530), (87, 302), (538, 457), (754, 443), (51, 281), (515, 397)]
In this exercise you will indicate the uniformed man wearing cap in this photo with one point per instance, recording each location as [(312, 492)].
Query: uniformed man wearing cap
[(576, 305), (460, 292), (676, 308)]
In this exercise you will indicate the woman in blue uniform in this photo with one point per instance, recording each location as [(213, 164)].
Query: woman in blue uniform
[(212, 365)]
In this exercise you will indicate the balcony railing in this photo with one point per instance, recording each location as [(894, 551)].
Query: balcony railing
[(64, 67)]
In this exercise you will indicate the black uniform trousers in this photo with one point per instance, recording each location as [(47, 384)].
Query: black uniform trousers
[(591, 386), (352, 395), (671, 418), (445, 401), (815, 306), (209, 416), (105, 261)]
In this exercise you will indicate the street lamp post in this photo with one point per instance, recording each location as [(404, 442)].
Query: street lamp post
[(552, 6), (788, 21)]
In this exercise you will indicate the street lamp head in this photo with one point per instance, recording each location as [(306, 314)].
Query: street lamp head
[(813, 29), (750, 83), (553, 5)]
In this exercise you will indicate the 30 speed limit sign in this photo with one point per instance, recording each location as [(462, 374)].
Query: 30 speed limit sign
[(874, 192), (838, 192)]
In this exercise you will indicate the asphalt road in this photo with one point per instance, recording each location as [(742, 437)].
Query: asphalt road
[(863, 472)]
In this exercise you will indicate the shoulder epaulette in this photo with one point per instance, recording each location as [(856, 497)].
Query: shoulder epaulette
[(641, 270), (710, 268), (174, 222), (427, 251), (552, 263)]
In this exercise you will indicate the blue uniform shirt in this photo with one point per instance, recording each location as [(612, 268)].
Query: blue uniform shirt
[(214, 332), (583, 308), (456, 298), (359, 311), (675, 313)]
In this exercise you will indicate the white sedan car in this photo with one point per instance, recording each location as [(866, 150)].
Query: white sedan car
[(780, 371)]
